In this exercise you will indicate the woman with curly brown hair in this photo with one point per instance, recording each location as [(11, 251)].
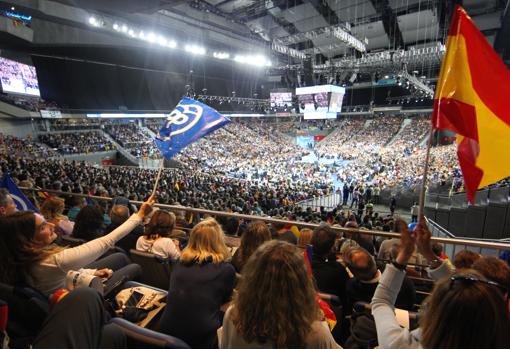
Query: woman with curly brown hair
[(275, 306)]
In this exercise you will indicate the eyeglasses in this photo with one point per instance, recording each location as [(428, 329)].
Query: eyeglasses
[(502, 288)]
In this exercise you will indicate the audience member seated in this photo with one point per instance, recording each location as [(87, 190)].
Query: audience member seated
[(53, 211), (156, 236), (494, 269), (256, 234), (118, 215), (281, 231), (89, 224), (200, 284), (7, 204), (78, 321), (78, 203), (366, 278), (28, 255), (330, 275), (275, 306), (305, 237), (464, 259), (464, 311)]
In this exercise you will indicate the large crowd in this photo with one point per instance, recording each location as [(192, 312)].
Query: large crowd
[(77, 143), (131, 137), (295, 288)]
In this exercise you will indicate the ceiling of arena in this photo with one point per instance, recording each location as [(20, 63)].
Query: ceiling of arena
[(252, 25)]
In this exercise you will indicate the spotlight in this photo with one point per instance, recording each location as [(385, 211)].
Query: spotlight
[(93, 21), (116, 27), (162, 41), (194, 49), (141, 35), (131, 33), (151, 37), (124, 28), (172, 44), (221, 55)]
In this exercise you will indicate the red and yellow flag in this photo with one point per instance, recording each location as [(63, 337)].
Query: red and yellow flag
[(472, 99)]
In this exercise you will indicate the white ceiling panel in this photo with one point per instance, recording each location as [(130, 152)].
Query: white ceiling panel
[(300, 12), (381, 41), (311, 23), (368, 30), (263, 23), (426, 33), (234, 5), (416, 20), (350, 10), (278, 32), (324, 39), (399, 4)]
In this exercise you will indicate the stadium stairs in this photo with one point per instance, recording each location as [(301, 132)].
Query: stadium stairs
[(125, 153), (396, 136)]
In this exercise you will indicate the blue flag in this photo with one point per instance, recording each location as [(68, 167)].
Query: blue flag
[(189, 121), (17, 195)]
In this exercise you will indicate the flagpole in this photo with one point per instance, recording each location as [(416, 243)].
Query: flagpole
[(161, 163), (425, 171)]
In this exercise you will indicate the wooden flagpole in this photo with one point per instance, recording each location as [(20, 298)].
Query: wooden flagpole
[(161, 164), (425, 171)]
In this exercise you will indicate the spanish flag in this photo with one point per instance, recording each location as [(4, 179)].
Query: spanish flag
[(471, 100)]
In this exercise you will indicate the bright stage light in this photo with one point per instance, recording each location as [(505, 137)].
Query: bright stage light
[(124, 28), (194, 49), (172, 44), (116, 27), (93, 21), (221, 55)]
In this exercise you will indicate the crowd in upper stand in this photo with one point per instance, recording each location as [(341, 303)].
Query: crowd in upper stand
[(131, 137), (77, 143)]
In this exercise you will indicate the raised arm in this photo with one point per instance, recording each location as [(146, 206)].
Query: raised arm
[(80, 256)]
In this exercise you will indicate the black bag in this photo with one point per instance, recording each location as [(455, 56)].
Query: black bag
[(363, 332)]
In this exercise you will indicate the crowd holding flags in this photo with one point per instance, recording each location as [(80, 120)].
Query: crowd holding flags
[(471, 100)]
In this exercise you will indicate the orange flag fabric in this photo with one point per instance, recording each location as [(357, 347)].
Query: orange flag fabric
[(471, 100)]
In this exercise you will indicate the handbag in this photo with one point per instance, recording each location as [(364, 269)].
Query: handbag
[(140, 304)]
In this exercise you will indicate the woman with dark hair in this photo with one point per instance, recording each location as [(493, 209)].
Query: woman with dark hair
[(255, 235), (89, 223), (464, 311), (156, 234), (28, 255), (275, 306)]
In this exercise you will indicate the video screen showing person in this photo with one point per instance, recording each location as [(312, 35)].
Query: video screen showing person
[(18, 78), (281, 99), (316, 102)]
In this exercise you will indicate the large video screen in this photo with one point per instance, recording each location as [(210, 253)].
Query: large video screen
[(18, 78), (280, 99), (320, 102)]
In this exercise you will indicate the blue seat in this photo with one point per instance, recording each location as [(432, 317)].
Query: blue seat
[(139, 337)]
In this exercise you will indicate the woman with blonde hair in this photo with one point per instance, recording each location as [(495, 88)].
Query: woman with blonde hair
[(200, 283), (53, 210), (275, 306), (305, 236)]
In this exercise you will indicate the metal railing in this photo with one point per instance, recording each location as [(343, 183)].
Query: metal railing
[(484, 247), (329, 202)]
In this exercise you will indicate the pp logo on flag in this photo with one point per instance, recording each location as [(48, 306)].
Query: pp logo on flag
[(182, 118), (19, 201)]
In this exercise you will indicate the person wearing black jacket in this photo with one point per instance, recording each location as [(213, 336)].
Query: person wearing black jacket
[(329, 274)]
